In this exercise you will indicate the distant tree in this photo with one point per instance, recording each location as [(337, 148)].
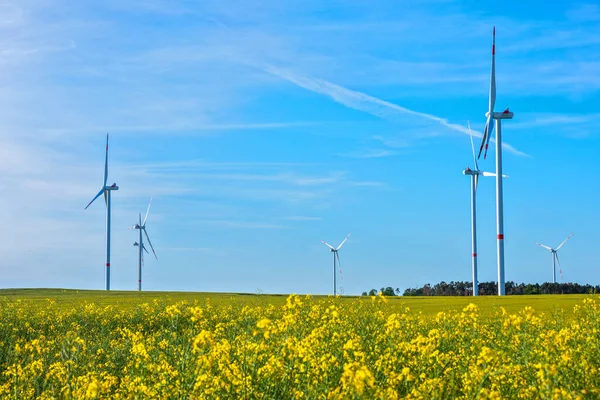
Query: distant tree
[(491, 289), (364, 294), (388, 291)]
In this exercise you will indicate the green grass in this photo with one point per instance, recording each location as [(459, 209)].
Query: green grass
[(70, 298)]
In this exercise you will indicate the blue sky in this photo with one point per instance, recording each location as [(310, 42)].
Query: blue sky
[(261, 128)]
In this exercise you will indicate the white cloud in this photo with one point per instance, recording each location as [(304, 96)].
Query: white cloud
[(302, 218), (396, 143), (242, 224), (363, 102), (584, 13), (369, 153)]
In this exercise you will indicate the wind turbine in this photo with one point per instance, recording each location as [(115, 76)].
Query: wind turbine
[(555, 261), (498, 116), (474, 173), (142, 227), (106, 190), (335, 250)]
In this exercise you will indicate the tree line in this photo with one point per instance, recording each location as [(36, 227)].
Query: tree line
[(488, 289)]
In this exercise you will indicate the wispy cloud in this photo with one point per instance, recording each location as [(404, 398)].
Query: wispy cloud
[(198, 249), (220, 165), (242, 224), (575, 126), (547, 119), (368, 184), (301, 218), (368, 153), (283, 177), (364, 102), (178, 128), (395, 143), (584, 13)]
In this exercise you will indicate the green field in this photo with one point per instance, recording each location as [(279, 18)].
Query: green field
[(427, 305)]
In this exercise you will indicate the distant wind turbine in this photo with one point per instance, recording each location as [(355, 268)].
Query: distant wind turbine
[(555, 260), (336, 256), (498, 116), (142, 227), (106, 190), (474, 173)]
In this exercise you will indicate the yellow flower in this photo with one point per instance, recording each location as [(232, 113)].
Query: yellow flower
[(263, 323), (92, 390)]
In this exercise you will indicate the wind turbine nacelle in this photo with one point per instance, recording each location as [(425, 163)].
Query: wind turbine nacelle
[(469, 171), (112, 187), (503, 115)]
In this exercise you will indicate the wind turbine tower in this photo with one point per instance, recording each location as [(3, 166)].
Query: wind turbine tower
[(498, 117), (141, 226), (336, 256), (106, 190), (474, 173)]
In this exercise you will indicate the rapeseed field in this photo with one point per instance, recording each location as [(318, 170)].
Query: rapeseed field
[(297, 347)]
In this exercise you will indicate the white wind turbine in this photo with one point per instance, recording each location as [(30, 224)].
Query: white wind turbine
[(498, 116), (106, 190), (555, 261), (474, 173), (336, 256), (142, 227)]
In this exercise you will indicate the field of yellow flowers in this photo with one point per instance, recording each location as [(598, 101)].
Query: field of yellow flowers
[(300, 347)]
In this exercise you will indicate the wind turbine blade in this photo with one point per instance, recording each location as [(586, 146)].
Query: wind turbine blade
[(476, 177), (492, 93), (487, 133), (544, 246), (147, 211), (106, 197), (485, 173), (472, 146), (564, 241), (98, 195), (327, 244), (493, 74), (339, 264), (487, 143), (140, 219), (106, 162), (145, 249), (343, 241), (150, 243), (558, 265)]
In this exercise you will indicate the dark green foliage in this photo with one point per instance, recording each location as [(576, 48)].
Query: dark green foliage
[(388, 291), (491, 288)]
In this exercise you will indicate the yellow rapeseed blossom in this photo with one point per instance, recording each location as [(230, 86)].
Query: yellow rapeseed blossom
[(306, 348)]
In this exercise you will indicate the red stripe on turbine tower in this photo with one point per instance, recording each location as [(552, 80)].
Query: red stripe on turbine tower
[(474, 254), (108, 264), (501, 236)]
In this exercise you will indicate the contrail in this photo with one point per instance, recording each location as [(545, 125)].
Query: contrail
[(363, 102)]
